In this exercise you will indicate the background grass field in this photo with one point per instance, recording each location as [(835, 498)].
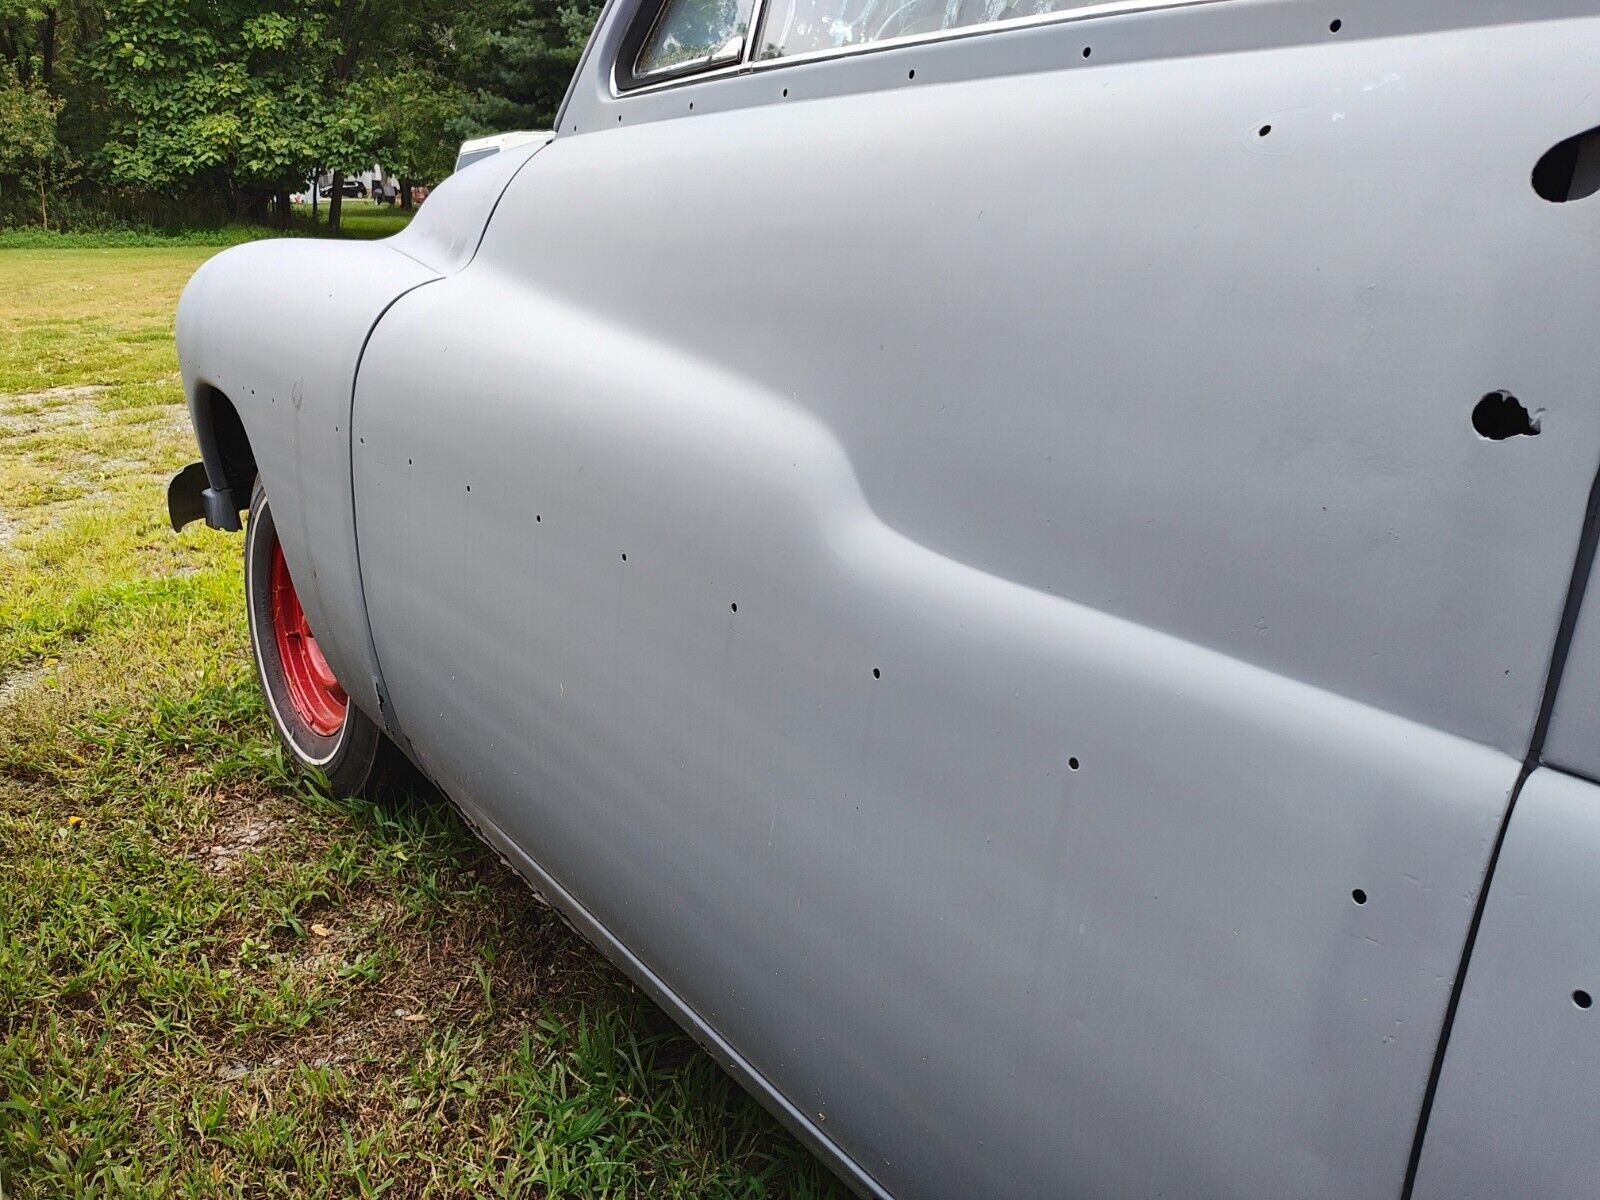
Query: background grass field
[(216, 980)]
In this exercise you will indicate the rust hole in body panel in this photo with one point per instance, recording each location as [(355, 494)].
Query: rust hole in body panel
[(1500, 415)]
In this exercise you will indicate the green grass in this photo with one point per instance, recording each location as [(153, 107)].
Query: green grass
[(359, 219), (215, 978), (31, 237)]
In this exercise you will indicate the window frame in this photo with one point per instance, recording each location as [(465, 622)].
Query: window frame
[(624, 82), (625, 78)]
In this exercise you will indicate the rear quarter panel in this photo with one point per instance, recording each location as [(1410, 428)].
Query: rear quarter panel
[(1514, 1115), (1119, 581), (278, 328), (842, 825)]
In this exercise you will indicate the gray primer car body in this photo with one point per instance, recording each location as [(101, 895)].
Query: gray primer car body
[(967, 569)]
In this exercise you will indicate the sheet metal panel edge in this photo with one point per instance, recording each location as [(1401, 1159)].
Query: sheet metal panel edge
[(1514, 1115)]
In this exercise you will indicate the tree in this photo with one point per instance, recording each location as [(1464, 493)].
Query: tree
[(220, 106), (517, 59), (223, 98), (416, 112), (28, 40), (29, 149)]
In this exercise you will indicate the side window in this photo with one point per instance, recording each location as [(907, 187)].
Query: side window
[(691, 35), (806, 26)]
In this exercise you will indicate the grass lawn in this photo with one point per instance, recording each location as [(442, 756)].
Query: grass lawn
[(216, 980), (358, 218)]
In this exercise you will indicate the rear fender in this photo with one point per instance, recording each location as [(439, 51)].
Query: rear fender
[(269, 338)]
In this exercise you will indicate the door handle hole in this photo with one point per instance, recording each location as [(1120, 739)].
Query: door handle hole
[(1569, 170)]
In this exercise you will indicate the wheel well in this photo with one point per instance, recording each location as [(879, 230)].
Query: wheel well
[(224, 444)]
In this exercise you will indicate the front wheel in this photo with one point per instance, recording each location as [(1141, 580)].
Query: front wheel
[(314, 719)]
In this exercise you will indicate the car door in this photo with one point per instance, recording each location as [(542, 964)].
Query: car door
[(966, 561)]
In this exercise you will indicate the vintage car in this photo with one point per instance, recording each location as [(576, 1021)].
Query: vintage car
[(1022, 568)]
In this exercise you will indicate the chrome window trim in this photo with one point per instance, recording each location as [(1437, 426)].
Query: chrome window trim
[(692, 66), (645, 89), (748, 65), (689, 66), (696, 68)]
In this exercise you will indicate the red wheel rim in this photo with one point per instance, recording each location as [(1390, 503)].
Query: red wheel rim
[(314, 692)]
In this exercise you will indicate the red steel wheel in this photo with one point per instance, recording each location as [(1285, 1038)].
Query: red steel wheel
[(316, 720), (313, 690)]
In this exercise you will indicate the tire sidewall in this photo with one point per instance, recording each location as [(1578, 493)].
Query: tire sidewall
[(346, 756)]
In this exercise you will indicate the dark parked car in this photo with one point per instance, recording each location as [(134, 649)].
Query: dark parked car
[(348, 187)]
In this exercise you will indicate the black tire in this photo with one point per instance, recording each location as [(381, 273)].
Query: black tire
[(357, 758)]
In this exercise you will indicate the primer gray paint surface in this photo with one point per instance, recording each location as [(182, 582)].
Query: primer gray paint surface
[(955, 583), (1515, 1111), (278, 328), (1573, 743)]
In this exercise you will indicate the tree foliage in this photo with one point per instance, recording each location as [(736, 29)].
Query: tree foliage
[(416, 112), (31, 154), (243, 97), (27, 123), (517, 59), (215, 105)]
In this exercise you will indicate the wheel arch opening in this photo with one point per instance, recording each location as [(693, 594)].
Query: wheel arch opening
[(224, 444)]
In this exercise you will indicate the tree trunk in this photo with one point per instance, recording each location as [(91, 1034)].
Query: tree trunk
[(255, 206), (283, 210), (405, 193), (44, 212), (335, 201), (47, 48)]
